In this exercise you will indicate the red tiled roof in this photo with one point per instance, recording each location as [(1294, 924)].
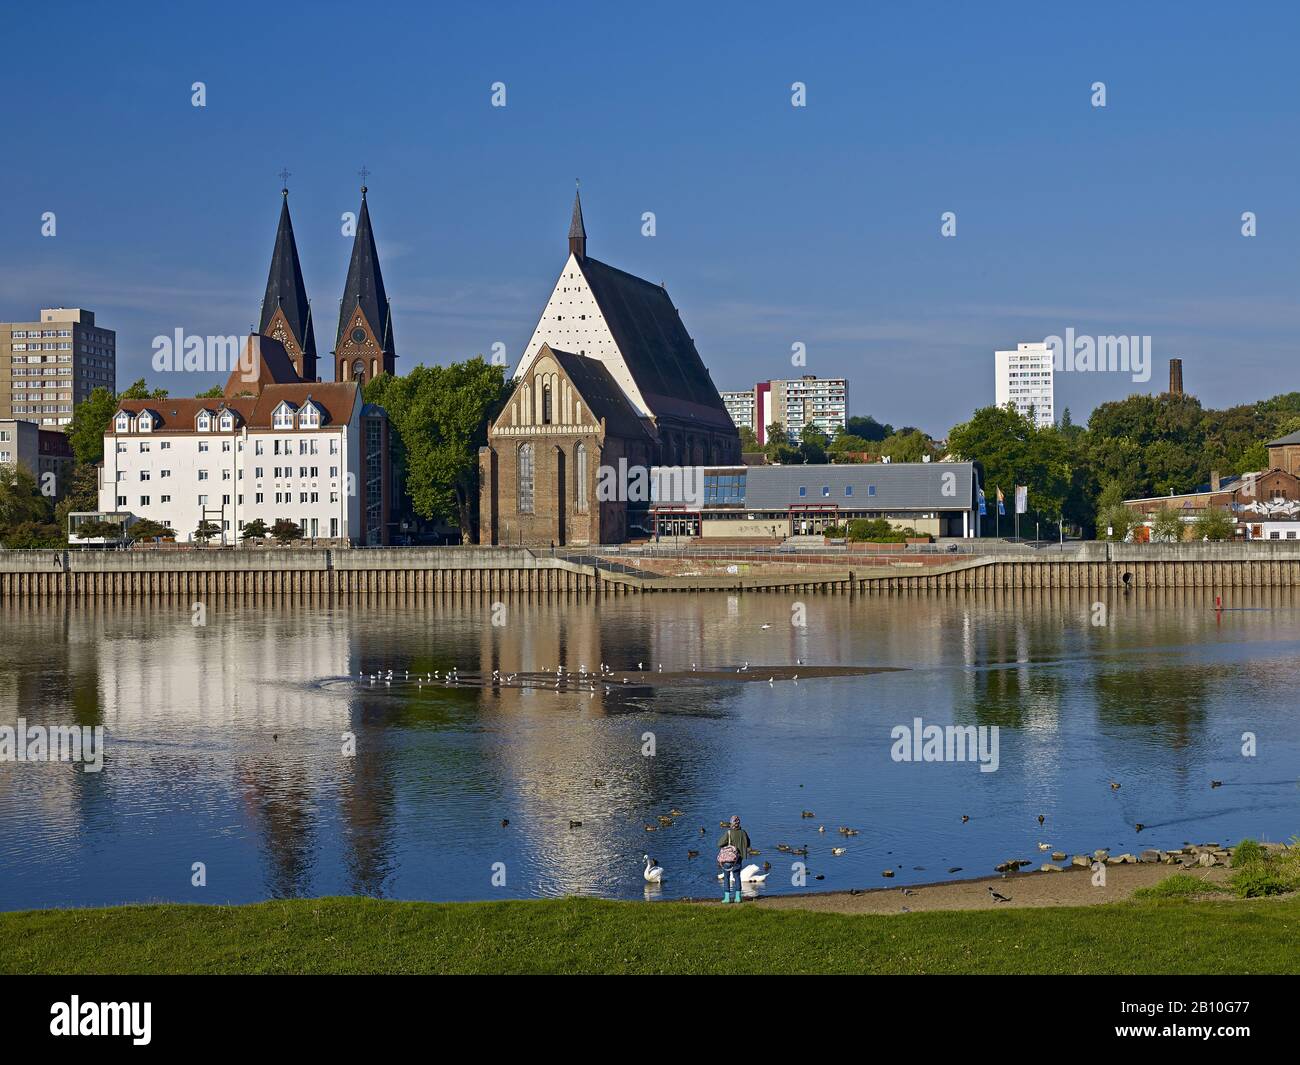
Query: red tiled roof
[(335, 398)]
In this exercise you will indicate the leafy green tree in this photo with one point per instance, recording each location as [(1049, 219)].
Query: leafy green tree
[(1167, 525), (286, 531), (1114, 522), (908, 445), (215, 392), (1214, 524), (748, 441), (82, 493), (31, 535), (148, 529), (99, 530), (1012, 451), (868, 428), (21, 500), (255, 529), (439, 416), (206, 531)]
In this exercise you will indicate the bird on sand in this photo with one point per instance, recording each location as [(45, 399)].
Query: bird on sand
[(997, 897)]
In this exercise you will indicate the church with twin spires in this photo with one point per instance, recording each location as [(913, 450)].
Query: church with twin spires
[(610, 378), (363, 345)]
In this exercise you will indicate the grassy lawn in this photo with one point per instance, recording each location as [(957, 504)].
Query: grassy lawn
[(358, 935)]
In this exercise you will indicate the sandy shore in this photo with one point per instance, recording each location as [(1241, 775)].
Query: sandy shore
[(1071, 887)]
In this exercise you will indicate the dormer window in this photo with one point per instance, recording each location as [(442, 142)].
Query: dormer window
[(283, 417), (227, 422), (123, 423), (204, 422), (145, 422), (309, 416)]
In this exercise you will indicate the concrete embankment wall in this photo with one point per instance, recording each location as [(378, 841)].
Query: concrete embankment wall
[(288, 572), (507, 571)]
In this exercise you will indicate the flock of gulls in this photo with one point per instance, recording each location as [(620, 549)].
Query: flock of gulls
[(564, 680)]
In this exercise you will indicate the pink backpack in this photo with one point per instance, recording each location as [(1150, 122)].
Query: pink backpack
[(728, 855)]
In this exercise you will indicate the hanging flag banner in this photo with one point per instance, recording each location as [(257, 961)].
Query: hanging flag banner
[(1022, 498), (1002, 503), (984, 510)]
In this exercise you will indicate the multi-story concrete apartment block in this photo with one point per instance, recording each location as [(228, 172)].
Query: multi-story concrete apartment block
[(741, 407), (49, 366), (311, 453), (809, 400), (817, 401), (1024, 378)]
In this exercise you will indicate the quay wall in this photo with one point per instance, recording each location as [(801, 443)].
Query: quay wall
[(495, 571)]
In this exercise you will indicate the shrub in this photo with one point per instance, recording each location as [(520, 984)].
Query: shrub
[(1257, 880), (1247, 852), (1178, 886)]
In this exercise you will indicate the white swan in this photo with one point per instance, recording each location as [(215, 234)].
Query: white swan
[(653, 873), (751, 874)]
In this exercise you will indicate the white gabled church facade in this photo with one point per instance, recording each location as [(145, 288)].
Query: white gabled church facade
[(572, 321)]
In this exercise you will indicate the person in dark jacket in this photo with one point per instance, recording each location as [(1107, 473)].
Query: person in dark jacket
[(737, 837)]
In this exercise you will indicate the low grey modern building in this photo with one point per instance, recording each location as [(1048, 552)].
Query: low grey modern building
[(717, 502)]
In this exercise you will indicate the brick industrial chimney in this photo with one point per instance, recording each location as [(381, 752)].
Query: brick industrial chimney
[(1175, 377), (1214, 480)]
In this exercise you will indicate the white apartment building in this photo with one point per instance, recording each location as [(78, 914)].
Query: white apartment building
[(311, 453), (1024, 378)]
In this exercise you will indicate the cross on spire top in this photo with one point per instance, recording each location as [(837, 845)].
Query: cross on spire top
[(363, 173), (284, 179)]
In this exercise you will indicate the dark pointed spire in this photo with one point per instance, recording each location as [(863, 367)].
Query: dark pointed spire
[(577, 231), (287, 294), (364, 292)]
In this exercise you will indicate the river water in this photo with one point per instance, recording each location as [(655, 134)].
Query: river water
[(227, 757)]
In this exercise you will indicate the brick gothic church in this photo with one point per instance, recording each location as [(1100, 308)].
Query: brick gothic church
[(363, 347), (610, 374)]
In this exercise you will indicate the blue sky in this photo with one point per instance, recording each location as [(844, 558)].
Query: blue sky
[(775, 224)]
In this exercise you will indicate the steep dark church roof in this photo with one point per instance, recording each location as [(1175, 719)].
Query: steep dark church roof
[(600, 392), (285, 289), (659, 353), (365, 286)]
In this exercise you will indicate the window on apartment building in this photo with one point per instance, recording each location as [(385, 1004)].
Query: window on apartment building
[(144, 501), (164, 499), (203, 475)]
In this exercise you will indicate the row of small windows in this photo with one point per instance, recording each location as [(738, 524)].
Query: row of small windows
[(826, 490), (281, 447)]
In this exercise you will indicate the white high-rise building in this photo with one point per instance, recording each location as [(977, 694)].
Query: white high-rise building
[(1024, 378)]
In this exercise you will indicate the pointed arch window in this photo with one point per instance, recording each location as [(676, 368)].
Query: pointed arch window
[(359, 371), (580, 478), (546, 404), (524, 475)]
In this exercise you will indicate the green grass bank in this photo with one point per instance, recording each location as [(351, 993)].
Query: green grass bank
[(360, 935)]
